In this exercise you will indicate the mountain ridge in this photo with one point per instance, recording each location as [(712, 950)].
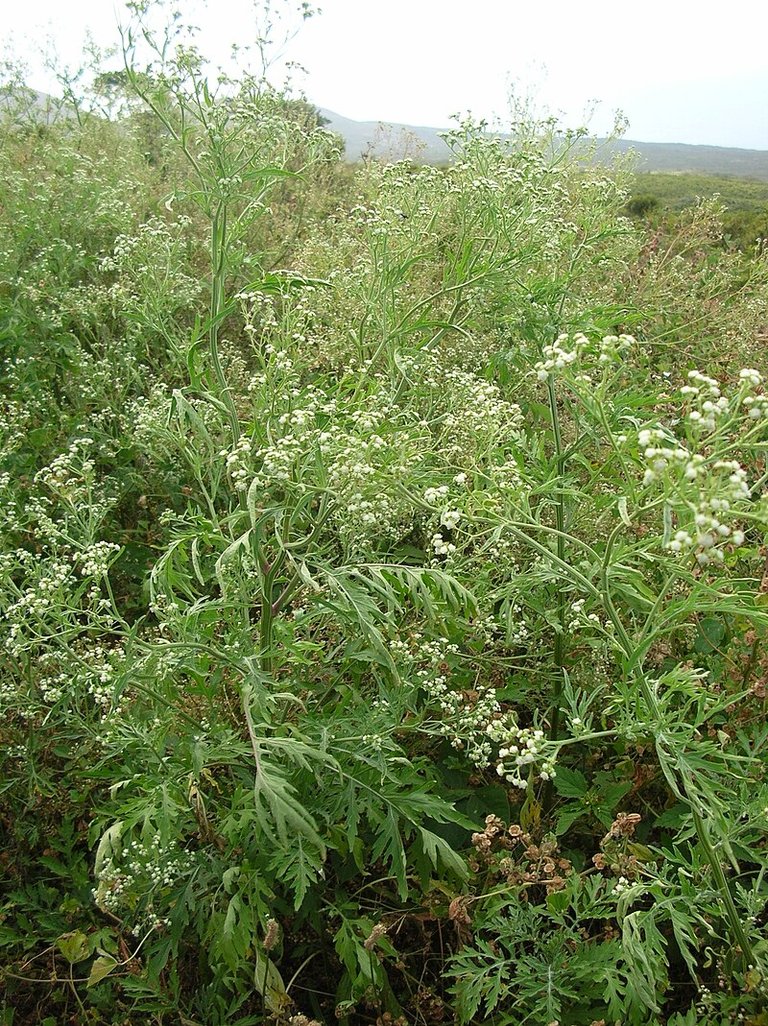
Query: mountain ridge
[(392, 141), (396, 141)]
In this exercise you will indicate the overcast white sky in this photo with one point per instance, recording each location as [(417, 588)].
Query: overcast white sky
[(679, 73)]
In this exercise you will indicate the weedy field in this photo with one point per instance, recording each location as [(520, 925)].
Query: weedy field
[(385, 597), (660, 197)]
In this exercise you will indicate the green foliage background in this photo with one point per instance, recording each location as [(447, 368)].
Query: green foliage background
[(744, 201)]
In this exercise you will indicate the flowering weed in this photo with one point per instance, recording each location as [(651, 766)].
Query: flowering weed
[(384, 597)]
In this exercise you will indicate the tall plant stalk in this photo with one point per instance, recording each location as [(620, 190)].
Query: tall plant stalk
[(218, 303), (559, 645)]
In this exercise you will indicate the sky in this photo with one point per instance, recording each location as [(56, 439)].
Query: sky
[(675, 72)]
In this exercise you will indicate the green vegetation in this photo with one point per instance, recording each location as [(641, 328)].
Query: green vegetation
[(677, 191), (383, 611), (663, 197)]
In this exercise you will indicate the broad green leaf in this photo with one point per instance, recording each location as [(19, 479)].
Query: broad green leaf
[(710, 637), (73, 946), (100, 969), (558, 902), (269, 983), (570, 783), (568, 817)]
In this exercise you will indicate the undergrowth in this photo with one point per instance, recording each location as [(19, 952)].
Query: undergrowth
[(384, 578)]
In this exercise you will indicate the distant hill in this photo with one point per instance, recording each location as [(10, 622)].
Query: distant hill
[(388, 141), (392, 142), (710, 160), (24, 104), (397, 142)]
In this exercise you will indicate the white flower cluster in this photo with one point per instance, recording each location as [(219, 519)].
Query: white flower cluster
[(237, 461), (9, 698), (465, 413), (436, 651), (720, 486), (475, 413), (148, 262), (163, 607), (258, 310), (440, 546), (279, 460), (125, 246), (70, 467), (474, 723), (357, 460), (566, 350), (95, 560), (364, 450), (613, 347), (750, 377), (728, 480), (464, 717), (364, 216), (36, 600), (520, 747), (449, 517), (665, 452), (711, 404), (52, 688), (756, 405), (373, 741), (296, 419), (510, 632), (435, 495), (15, 417), (579, 618), (99, 676), (506, 475), (557, 357), (146, 418), (148, 868)]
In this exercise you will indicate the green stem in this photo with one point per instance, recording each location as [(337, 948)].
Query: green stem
[(737, 927), (267, 620), (559, 647), (218, 300), (559, 652), (265, 633)]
